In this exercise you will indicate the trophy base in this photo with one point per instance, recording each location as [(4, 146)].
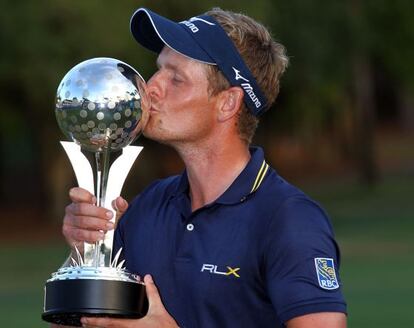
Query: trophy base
[(67, 301)]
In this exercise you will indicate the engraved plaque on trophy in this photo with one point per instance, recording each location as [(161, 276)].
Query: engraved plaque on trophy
[(101, 107)]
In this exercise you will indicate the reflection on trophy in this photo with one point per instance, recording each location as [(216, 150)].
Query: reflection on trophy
[(101, 106)]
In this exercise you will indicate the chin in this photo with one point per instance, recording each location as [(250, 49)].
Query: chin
[(150, 133), (148, 130)]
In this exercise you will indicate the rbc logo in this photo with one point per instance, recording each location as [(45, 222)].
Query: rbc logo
[(325, 271), (328, 284)]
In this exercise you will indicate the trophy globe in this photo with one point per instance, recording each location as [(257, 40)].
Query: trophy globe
[(101, 107)]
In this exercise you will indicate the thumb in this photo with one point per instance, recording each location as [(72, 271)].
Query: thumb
[(154, 300), (120, 205)]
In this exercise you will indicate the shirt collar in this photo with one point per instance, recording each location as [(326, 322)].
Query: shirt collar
[(248, 181)]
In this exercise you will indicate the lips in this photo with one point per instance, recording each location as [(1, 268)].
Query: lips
[(153, 110)]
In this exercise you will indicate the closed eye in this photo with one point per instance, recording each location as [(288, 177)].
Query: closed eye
[(177, 78)]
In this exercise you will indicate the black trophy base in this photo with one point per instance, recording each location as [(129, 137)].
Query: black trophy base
[(67, 301)]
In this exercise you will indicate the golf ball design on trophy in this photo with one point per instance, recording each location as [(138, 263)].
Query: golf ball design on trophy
[(97, 101), (101, 107)]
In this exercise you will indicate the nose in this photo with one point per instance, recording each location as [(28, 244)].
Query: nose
[(154, 87)]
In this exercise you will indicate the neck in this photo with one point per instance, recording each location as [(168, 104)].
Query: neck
[(212, 168)]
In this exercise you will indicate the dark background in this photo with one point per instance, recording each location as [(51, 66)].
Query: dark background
[(342, 129)]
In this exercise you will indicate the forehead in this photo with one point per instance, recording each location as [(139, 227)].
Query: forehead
[(171, 58)]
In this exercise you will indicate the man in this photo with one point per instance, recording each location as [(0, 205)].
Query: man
[(228, 243)]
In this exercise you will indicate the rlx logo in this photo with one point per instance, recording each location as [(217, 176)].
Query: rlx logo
[(212, 268)]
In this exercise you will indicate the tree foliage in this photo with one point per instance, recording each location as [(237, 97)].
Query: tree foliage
[(41, 40)]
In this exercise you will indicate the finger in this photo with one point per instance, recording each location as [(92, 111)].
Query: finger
[(154, 300), (85, 209), (89, 223), (81, 235), (92, 326), (80, 229), (105, 322), (78, 195), (121, 205)]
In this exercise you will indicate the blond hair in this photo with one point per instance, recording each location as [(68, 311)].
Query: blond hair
[(266, 59)]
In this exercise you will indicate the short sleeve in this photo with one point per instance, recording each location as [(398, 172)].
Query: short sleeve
[(302, 261)]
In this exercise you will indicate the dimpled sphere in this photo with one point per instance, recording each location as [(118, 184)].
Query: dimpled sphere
[(98, 104)]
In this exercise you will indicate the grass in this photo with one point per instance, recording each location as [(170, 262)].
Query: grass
[(374, 228), (379, 290), (24, 271)]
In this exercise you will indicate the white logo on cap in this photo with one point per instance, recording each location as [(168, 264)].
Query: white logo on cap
[(238, 76), (193, 19), (247, 88), (189, 23)]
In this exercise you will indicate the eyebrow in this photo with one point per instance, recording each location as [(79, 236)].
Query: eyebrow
[(167, 65), (171, 66)]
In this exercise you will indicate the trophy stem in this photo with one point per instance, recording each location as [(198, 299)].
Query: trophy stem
[(102, 170)]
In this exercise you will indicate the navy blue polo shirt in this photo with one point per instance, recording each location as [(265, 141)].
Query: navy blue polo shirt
[(259, 255)]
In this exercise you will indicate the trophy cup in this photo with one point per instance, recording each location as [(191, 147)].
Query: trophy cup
[(101, 106)]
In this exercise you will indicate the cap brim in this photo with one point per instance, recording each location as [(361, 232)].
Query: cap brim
[(153, 32)]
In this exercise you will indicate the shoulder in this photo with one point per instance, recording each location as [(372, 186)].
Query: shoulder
[(291, 215), (285, 198), (301, 213), (282, 199)]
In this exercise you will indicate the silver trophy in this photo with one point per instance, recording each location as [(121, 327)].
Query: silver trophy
[(101, 107)]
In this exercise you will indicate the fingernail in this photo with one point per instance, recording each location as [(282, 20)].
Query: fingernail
[(124, 202), (101, 235), (149, 279), (84, 320), (93, 200), (71, 192), (110, 225), (109, 215)]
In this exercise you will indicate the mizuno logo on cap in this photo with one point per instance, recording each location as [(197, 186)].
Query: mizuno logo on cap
[(194, 19), (247, 88), (189, 23), (238, 76)]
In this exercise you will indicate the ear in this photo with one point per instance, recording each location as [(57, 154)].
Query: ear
[(230, 103)]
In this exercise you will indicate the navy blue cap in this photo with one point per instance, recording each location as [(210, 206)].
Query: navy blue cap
[(203, 39)]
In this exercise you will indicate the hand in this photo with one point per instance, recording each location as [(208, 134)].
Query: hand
[(156, 317), (84, 221)]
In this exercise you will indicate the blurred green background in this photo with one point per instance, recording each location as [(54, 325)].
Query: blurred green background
[(342, 129)]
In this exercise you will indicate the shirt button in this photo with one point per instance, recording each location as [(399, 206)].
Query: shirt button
[(190, 227)]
